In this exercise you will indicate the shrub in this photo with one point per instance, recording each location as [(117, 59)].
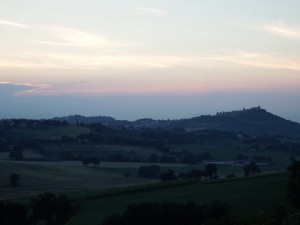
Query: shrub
[(14, 179)]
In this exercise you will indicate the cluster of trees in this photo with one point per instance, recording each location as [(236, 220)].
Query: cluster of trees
[(190, 213), (4, 145), (210, 171), (16, 153), (91, 160), (251, 169), (47, 208), (290, 147), (256, 158), (116, 137), (294, 183), (26, 123), (273, 143), (14, 179), (150, 213), (180, 157), (192, 159), (154, 171)]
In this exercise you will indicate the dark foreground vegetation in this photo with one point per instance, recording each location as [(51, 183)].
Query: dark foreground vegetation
[(46, 208)]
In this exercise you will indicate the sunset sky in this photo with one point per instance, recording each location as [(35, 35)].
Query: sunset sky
[(162, 59)]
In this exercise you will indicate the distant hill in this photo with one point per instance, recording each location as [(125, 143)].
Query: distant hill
[(77, 119), (252, 121)]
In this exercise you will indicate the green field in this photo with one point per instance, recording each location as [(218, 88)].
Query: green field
[(50, 133), (104, 190), (246, 196), (37, 177)]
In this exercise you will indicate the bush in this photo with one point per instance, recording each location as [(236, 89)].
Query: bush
[(168, 175), (149, 171), (51, 208), (294, 184), (13, 214), (93, 160), (126, 174), (14, 179), (149, 213), (230, 175), (16, 155)]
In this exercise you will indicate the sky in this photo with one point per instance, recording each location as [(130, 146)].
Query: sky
[(161, 59)]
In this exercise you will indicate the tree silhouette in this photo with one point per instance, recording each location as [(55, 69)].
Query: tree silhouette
[(14, 179), (54, 210), (209, 170), (251, 169), (168, 175), (294, 183), (13, 214)]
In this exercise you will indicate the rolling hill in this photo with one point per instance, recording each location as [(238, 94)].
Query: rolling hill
[(251, 121)]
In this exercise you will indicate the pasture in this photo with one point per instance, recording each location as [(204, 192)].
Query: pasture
[(104, 190), (246, 196), (50, 133), (37, 177)]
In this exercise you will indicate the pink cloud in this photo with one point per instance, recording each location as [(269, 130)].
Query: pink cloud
[(48, 90), (33, 88), (164, 88)]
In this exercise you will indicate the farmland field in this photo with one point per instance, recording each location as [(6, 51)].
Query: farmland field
[(70, 176), (246, 196), (37, 177), (50, 133)]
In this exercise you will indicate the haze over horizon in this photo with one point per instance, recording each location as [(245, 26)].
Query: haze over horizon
[(157, 59)]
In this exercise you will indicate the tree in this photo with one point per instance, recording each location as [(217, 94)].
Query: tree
[(209, 170), (153, 158), (13, 214), (294, 183), (14, 179), (242, 157), (168, 175), (251, 169), (4, 146), (195, 174), (189, 159), (149, 171), (67, 156), (16, 155), (51, 208), (150, 213), (85, 161), (95, 160)]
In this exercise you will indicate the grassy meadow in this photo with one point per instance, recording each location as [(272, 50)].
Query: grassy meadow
[(246, 196), (37, 177), (103, 190)]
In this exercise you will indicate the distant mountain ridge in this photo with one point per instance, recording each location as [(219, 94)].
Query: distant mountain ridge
[(252, 121), (75, 119)]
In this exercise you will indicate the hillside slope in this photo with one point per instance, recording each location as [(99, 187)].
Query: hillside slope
[(252, 121)]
